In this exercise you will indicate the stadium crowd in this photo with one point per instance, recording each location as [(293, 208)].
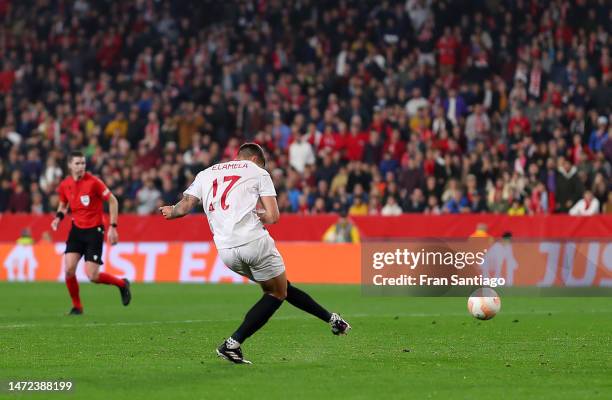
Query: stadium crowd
[(370, 107)]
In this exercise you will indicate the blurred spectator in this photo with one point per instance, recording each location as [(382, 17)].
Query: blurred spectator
[(600, 135), (417, 202), (477, 203), (37, 207), (46, 238), (607, 207), (300, 153), (458, 203), (147, 198), (588, 205), (391, 207), (359, 207), (51, 176), (26, 237), (482, 231), (169, 195), (516, 209), (343, 231), (432, 207), (19, 200), (538, 202), (5, 194), (569, 187), (118, 127)]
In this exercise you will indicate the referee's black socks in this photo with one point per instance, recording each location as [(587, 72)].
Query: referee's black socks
[(304, 302)]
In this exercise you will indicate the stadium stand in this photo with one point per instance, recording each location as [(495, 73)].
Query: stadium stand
[(369, 107)]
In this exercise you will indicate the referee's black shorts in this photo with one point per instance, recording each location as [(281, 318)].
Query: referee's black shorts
[(87, 242)]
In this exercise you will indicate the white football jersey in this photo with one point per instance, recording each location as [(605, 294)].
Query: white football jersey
[(229, 193)]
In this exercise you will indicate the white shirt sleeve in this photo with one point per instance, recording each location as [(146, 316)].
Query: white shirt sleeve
[(593, 207), (195, 189), (266, 186), (310, 159), (578, 208)]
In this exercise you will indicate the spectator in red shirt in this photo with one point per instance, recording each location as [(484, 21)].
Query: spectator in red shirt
[(578, 152), (519, 119), (328, 140), (7, 78), (447, 48), (341, 138), (19, 200), (395, 145), (355, 141)]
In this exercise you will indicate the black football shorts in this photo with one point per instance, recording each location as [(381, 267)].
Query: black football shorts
[(87, 242)]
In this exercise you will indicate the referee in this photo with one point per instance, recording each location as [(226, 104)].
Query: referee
[(84, 194)]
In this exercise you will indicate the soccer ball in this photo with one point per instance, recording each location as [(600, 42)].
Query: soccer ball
[(484, 303)]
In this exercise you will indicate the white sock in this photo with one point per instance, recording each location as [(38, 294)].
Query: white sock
[(232, 343)]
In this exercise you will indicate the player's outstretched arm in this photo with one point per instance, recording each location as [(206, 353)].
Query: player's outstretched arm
[(181, 208), (62, 209), (271, 215)]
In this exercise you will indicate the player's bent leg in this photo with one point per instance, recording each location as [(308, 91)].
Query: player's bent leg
[(275, 291), (276, 286), (304, 302), (94, 275), (71, 262)]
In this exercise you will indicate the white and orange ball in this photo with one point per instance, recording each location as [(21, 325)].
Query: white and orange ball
[(484, 303)]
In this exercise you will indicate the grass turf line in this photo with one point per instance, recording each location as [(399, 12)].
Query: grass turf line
[(162, 346)]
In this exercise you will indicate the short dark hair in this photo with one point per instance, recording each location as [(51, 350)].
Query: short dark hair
[(74, 154), (253, 149)]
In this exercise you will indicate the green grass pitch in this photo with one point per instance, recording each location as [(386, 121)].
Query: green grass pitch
[(162, 346)]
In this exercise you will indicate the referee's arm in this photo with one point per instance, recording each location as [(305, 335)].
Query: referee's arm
[(113, 210), (62, 209)]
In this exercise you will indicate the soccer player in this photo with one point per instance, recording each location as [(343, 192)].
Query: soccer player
[(84, 194), (230, 193)]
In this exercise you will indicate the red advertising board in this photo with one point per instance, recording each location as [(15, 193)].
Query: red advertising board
[(311, 228)]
